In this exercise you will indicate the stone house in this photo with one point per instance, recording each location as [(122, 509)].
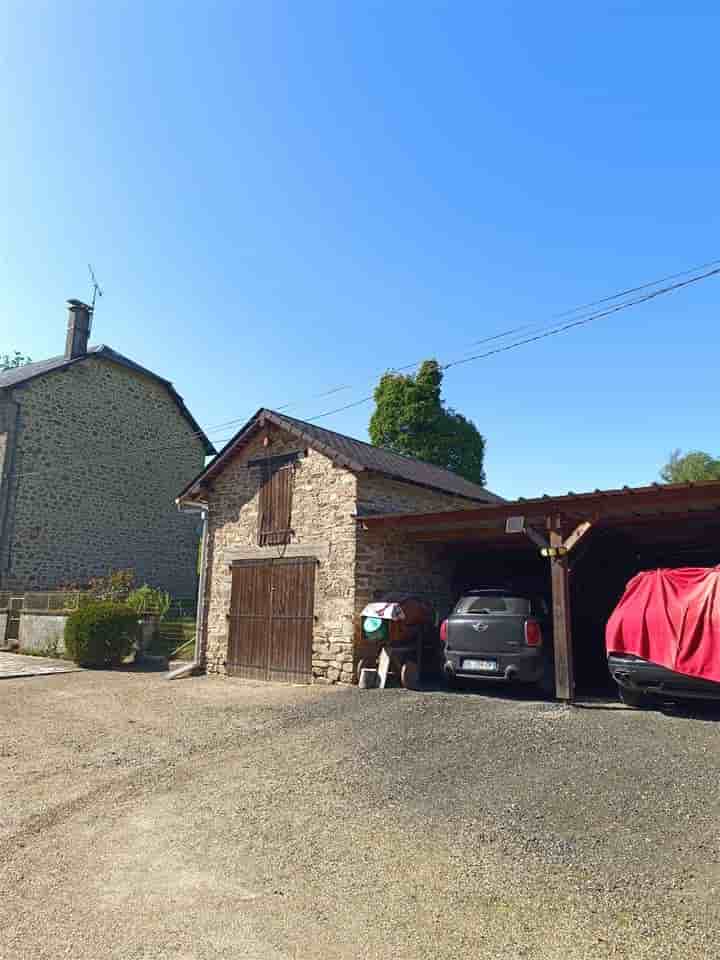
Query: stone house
[(93, 448), (288, 564)]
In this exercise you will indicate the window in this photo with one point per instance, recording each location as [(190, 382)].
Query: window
[(275, 504), (493, 603)]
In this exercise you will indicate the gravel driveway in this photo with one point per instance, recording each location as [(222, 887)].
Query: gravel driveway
[(203, 818)]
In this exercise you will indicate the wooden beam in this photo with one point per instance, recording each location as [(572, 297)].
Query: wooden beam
[(562, 632), (610, 504), (483, 537), (577, 535)]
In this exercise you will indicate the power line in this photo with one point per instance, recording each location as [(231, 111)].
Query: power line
[(546, 333), (527, 326), (538, 325), (541, 335), (642, 286), (584, 320)]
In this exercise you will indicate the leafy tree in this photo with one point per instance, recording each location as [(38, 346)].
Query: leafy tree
[(17, 359), (690, 467), (410, 418)]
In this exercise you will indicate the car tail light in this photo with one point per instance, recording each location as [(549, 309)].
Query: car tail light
[(443, 631), (533, 633)]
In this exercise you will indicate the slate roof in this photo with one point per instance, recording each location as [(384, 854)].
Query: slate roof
[(354, 454), (31, 371)]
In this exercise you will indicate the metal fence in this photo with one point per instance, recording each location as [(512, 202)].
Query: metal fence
[(64, 601), (175, 625), (182, 608), (53, 601)]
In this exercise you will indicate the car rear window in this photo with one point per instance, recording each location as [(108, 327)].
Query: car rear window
[(494, 603)]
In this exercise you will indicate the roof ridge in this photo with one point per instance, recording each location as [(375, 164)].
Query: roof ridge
[(17, 376), (356, 455), (372, 446)]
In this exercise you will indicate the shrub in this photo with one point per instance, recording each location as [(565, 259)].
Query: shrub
[(116, 585), (100, 634), (148, 599)]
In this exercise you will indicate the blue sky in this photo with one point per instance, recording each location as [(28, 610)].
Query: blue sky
[(282, 198)]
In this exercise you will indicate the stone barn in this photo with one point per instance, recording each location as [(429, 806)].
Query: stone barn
[(289, 564)]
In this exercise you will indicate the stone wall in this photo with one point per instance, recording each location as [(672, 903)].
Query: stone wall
[(8, 430), (388, 561), (323, 503), (390, 566), (42, 633), (100, 455), (379, 494)]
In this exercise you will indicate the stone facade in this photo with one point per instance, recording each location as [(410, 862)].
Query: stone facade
[(387, 561), (99, 453), (354, 565), (323, 503), (379, 494)]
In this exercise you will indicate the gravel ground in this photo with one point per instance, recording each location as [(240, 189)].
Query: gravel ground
[(219, 819)]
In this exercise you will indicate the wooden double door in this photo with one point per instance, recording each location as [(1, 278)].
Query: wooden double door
[(271, 620)]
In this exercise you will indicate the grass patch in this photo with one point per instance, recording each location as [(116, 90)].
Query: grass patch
[(173, 638)]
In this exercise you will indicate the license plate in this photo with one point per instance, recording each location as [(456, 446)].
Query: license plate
[(487, 665)]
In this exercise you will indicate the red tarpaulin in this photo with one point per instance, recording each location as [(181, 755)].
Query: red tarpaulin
[(671, 617)]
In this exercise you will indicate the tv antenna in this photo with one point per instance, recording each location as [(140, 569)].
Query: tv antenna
[(96, 288)]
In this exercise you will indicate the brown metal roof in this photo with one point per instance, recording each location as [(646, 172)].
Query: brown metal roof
[(348, 452), (625, 501)]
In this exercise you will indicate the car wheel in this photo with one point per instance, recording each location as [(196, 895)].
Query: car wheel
[(634, 698)]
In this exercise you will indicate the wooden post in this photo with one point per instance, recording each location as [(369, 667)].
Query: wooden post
[(562, 630)]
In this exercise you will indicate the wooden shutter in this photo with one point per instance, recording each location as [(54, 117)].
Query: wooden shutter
[(275, 507)]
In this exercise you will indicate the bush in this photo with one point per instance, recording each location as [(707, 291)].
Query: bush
[(148, 599), (100, 634), (116, 586)]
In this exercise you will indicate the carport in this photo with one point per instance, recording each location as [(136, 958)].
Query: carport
[(587, 545)]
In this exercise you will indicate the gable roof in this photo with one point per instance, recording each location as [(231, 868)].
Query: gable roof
[(356, 455), (19, 376)]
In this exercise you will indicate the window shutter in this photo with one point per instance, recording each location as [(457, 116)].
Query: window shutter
[(275, 506)]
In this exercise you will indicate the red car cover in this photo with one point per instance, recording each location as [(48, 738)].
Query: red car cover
[(671, 617)]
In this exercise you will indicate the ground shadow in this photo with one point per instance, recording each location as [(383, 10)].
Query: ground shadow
[(488, 689), (146, 665), (707, 710)]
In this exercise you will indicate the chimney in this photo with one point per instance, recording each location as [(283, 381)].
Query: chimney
[(78, 329)]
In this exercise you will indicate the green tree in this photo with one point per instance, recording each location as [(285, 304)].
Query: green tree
[(690, 467), (410, 418), (10, 361)]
